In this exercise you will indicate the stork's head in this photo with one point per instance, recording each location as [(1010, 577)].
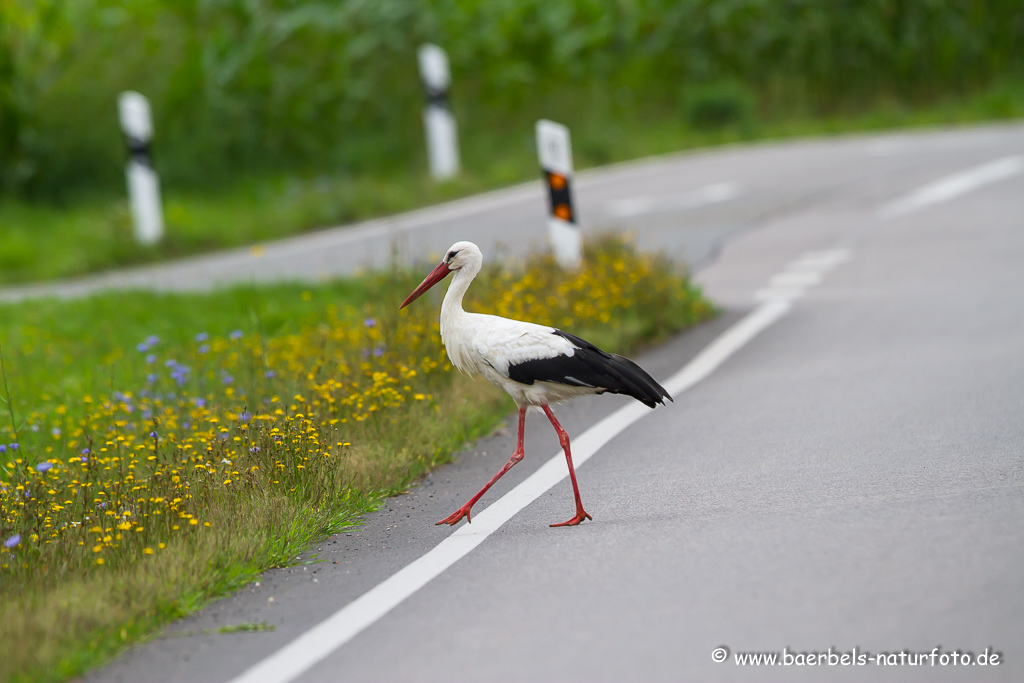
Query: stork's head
[(461, 256)]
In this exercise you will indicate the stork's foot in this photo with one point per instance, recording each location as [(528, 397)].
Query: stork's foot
[(454, 518), (581, 515)]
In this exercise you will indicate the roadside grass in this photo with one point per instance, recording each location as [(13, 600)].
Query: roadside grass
[(93, 232), (172, 447)]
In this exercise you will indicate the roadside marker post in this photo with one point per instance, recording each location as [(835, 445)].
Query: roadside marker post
[(554, 149), (438, 121), (143, 182)]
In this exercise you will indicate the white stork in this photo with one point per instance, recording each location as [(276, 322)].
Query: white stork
[(534, 364)]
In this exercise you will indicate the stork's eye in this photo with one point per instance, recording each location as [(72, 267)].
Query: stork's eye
[(451, 255)]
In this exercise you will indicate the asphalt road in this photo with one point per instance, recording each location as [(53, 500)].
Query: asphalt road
[(851, 477)]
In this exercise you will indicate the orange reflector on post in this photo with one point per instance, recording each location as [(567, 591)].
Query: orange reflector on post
[(554, 151)]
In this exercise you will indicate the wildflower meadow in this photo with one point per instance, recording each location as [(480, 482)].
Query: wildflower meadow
[(149, 473)]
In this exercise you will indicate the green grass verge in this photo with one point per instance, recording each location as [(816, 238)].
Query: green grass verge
[(171, 447), (92, 233)]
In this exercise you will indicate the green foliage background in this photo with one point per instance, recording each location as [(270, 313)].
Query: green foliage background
[(239, 86)]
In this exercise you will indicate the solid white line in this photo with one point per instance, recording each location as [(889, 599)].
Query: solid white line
[(314, 645), (953, 186)]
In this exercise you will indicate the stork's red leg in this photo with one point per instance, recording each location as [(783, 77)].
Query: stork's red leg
[(563, 439), (516, 457)]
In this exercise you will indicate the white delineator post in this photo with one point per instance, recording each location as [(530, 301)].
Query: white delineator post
[(554, 150), (438, 121), (143, 182)]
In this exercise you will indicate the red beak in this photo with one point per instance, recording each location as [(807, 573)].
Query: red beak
[(436, 275)]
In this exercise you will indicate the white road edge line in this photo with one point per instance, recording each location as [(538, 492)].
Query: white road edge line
[(953, 186), (317, 643)]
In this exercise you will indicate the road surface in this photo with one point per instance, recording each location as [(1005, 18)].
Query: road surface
[(843, 469)]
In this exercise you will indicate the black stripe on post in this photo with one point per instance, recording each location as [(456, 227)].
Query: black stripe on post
[(560, 197), (437, 98), (141, 152)]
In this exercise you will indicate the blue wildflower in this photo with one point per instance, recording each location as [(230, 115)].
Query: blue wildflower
[(142, 348), (370, 322), (226, 378), (237, 334), (245, 416), (152, 435), (151, 358), (205, 348), (14, 446), (12, 541), (268, 374), (44, 466), (3, 448), (151, 378), (152, 339), (202, 336)]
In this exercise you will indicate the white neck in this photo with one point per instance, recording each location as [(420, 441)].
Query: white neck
[(455, 326)]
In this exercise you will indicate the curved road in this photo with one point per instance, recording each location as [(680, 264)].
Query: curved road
[(843, 466)]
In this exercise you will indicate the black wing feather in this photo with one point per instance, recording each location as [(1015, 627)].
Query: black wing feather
[(589, 366)]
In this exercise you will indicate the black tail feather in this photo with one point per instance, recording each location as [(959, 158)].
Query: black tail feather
[(617, 374), (646, 388)]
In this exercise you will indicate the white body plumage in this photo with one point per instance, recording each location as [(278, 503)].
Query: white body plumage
[(488, 344)]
